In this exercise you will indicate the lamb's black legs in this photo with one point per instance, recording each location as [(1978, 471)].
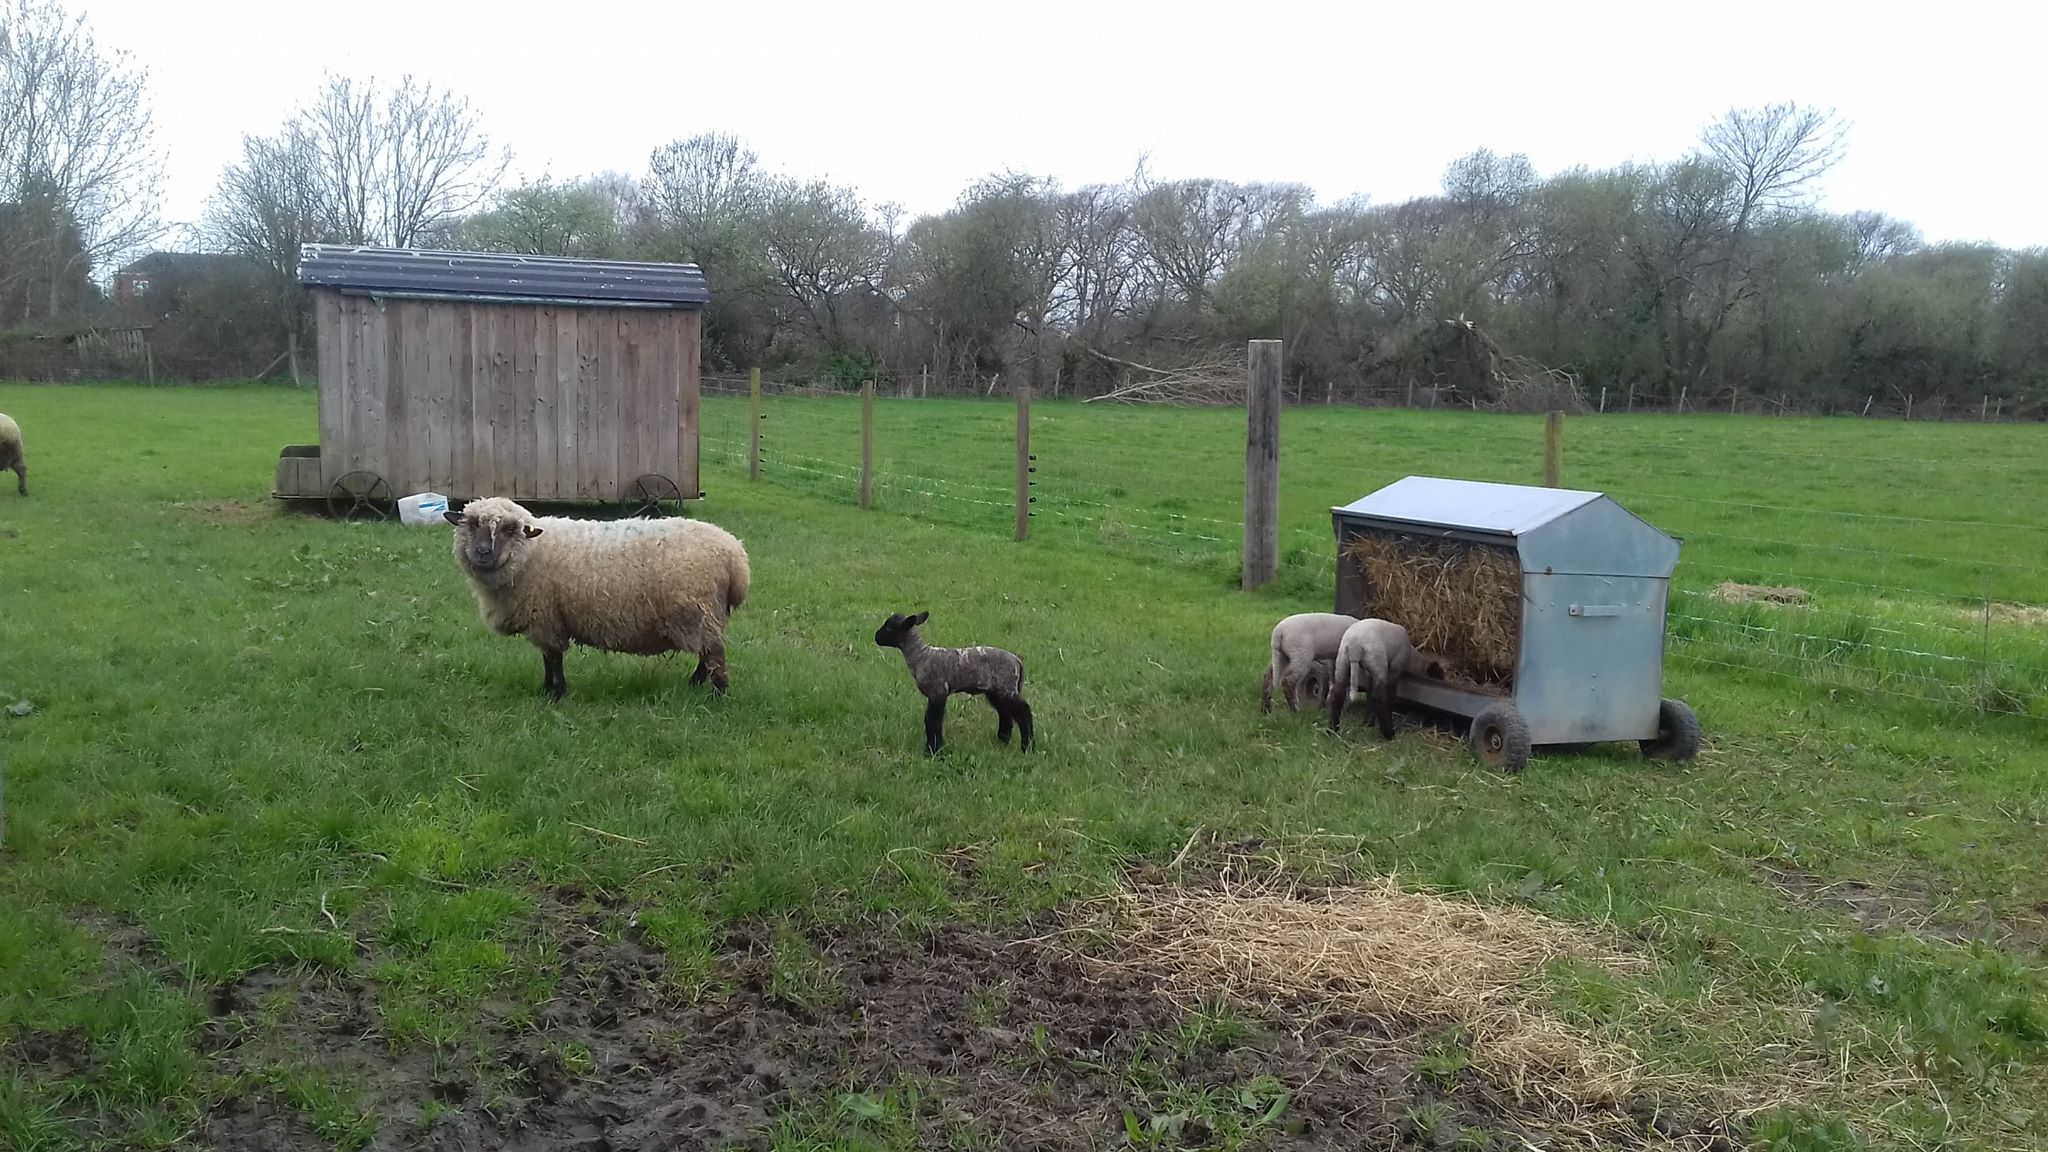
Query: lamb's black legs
[(1378, 689), (1383, 708), (1012, 714), (552, 681), (934, 725)]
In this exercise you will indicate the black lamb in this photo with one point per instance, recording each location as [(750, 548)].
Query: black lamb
[(941, 672)]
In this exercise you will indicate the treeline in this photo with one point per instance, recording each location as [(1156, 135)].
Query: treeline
[(1711, 277)]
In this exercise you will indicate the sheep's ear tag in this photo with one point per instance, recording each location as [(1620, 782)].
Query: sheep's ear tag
[(453, 517), (531, 531)]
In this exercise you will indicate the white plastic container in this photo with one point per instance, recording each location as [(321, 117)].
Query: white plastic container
[(423, 508)]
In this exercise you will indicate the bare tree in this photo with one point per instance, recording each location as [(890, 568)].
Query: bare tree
[(267, 205), (77, 139), (397, 166), (437, 162), (1773, 154)]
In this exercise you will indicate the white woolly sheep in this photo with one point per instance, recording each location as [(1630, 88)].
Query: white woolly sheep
[(1300, 643), (1371, 658), (10, 453), (940, 672), (641, 586)]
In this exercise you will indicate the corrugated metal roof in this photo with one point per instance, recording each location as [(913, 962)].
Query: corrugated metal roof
[(1507, 509), (409, 271)]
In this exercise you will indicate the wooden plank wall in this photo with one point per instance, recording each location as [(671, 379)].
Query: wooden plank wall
[(536, 403)]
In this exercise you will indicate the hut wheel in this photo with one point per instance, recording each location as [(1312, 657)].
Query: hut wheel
[(1500, 738), (360, 495), (646, 495)]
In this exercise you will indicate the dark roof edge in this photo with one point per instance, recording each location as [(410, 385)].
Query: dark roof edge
[(443, 274)]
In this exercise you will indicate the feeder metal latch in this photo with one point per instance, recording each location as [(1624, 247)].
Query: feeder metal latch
[(1596, 610)]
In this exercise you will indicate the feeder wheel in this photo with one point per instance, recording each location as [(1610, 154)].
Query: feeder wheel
[(1500, 738), (1315, 683), (360, 495), (1678, 733), (646, 495)]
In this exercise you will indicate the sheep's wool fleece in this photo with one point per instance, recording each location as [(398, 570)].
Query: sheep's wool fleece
[(1381, 647), (1306, 637), (636, 586), (10, 441), (981, 669)]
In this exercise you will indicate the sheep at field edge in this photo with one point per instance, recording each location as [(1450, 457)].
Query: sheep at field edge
[(10, 453), (940, 672), (1371, 659), (1300, 642), (640, 586)]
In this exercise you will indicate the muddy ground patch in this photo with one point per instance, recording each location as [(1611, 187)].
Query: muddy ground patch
[(953, 1037)]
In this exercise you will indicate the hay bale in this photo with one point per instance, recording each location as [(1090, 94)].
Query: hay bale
[(1459, 600)]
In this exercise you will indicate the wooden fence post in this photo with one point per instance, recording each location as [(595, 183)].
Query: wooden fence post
[(1023, 458), (1681, 397), (1603, 399), (1553, 449), (754, 425), (1262, 464), (867, 443)]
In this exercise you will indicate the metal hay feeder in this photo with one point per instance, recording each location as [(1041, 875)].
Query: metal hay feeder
[(1586, 663)]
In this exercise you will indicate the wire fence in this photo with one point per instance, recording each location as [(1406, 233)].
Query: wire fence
[(1855, 562)]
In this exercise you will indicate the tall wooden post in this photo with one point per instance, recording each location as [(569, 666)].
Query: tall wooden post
[(754, 425), (1262, 464), (867, 443), (1023, 459), (1553, 449)]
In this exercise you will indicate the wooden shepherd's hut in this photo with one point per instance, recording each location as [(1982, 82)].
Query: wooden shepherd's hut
[(474, 374)]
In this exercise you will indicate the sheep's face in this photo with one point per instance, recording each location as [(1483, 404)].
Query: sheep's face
[(897, 628), (490, 533)]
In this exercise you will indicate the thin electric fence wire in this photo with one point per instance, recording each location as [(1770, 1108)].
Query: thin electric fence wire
[(1095, 491)]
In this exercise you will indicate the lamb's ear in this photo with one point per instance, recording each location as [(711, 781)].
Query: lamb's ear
[(531, 531), (453, 517), (920, 618)]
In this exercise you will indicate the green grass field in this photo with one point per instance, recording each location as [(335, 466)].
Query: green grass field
[(297, 856)]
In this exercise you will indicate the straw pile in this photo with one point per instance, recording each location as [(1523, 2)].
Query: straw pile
[(1737, 593), (1460, 600), (1411, 958)]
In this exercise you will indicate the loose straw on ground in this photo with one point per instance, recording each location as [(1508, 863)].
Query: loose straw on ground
[(1410, 958)]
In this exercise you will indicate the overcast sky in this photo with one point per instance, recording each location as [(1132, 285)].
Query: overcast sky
[(910, 102)]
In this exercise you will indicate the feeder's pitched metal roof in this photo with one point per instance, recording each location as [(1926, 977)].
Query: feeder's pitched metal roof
[(1553, 530), (1506, 509), (490, 276)]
